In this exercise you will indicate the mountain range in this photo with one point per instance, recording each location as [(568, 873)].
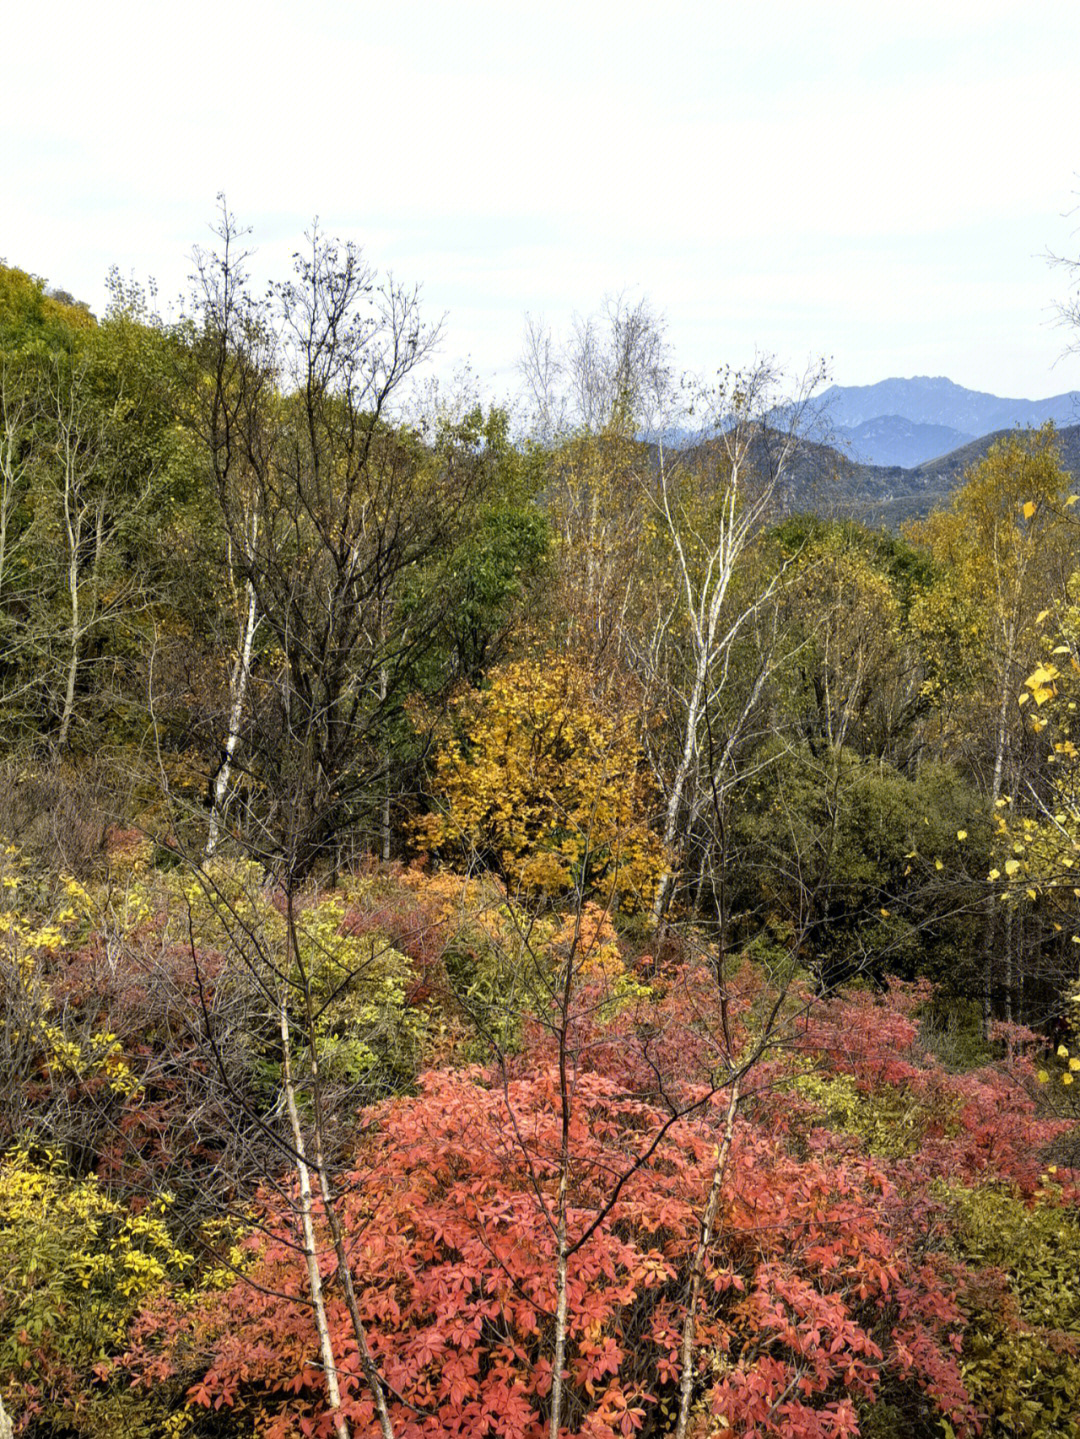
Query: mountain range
[(829, 482), (906, 422)]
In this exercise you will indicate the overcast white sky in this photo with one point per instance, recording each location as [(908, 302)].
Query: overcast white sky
[(875, 183)]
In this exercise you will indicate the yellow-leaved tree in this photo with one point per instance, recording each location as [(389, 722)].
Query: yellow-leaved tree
[(538, 782), (1037, 858), (1005, 545)]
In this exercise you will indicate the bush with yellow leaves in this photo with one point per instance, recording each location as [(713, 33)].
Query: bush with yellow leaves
[(539, 783), (1022, 1349), (76, 1267)]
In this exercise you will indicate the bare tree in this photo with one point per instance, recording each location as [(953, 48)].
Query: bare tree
[(328, 507), (613, 370)]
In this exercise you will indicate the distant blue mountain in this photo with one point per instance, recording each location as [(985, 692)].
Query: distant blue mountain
[(894, 440), (906, 422)]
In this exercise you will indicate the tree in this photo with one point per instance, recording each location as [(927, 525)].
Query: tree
[(855, 674), (709, 506), (538, 782), (879, 871), (611, 373), (1004, 549), (595, 400), (339, 517), (88, 469)]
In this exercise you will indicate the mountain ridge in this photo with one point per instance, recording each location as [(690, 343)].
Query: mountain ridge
[(907, 422), (827, 480)]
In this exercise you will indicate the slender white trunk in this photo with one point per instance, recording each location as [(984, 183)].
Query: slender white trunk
[(697, 1268), (73, 526), (384, 684), (367, 1359), (238, 685), (310, 1249), (561, 1309), (704, 598), (1001, 740), (14, 414), (322, 1169), (678, 786)]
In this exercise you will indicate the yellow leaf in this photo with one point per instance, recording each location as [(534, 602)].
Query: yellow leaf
[(1066, 1078), (1011, 866), (994, 874), (938, 864), (1062, 1052), (1041, 616), (1031, 894), (1071, 500), (884, 913), (961, 834)]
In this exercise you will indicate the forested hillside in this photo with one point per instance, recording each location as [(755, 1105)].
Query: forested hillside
[(509, 929)]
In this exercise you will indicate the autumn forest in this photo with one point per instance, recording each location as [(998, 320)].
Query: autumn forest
[(519, 922)]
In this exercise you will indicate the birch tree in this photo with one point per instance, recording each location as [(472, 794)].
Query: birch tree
[(245, 607), (708, 507)]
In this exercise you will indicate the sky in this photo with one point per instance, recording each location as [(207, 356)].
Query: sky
[(876, 185)]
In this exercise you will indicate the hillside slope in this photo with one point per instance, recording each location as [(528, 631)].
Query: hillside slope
[(827, 481)]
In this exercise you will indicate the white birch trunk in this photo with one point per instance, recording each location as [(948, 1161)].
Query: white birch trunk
[(384, 682), (73, 529), (310, 1248), (238, 685), (561, 1310), (697, 1268)]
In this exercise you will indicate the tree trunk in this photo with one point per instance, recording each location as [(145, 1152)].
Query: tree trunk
[(310, 1250), (561, 1310), (322, 1169), (697, 1268), (384, 689), (73, 657), (238, 684), (1001, 739)]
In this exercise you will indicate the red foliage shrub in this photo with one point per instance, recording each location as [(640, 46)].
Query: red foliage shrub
[(811, 1288)]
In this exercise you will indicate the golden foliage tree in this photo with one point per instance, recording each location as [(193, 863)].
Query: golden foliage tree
[(539, 782)]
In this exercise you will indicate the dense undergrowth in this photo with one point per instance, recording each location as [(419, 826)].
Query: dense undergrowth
[(894, 1251)]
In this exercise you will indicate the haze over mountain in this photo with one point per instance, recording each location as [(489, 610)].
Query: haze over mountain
[(906, 422), (827, 481)]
